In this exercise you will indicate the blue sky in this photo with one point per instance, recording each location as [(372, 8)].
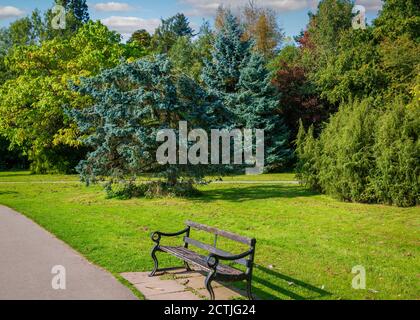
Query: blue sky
[(125, 16)]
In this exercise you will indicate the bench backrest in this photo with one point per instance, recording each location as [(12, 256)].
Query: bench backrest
[(213, 249)]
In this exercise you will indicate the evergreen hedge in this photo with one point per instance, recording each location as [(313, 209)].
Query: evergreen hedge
[(366, 154)]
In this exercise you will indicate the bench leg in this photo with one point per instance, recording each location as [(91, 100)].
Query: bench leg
[(249, 289), (155, 260), (187, 266), (208, 281)]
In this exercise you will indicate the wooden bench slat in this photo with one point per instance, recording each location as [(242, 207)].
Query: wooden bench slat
[(200, 261), (222, 233), (212, 249)]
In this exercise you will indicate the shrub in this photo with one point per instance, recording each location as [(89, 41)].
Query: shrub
[(365, 154), (153, 189), (397, 156), (307, 151)]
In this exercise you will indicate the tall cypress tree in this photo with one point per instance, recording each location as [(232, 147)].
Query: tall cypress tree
[(239, 78)]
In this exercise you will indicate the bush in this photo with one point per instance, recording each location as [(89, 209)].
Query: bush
[(365, 154), (153, 189), (307, 151), (397, 155), (346, 142)]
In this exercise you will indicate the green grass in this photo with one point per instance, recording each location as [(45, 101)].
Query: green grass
[(26, 176), (307, 243), (263, 177)]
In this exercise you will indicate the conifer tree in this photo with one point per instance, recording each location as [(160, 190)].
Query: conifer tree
[(169, 31), (239, 78), (133, 102), (222, 73), (255, 107), (79, 9)]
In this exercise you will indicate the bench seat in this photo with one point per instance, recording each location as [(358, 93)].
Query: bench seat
[(209, 264), (201, 261)]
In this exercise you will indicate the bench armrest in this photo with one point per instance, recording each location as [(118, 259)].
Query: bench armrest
[(213, 259), (157, 235)]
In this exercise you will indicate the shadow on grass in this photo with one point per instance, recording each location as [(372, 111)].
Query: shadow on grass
[(17, 173), (284, 285), (266, 281), (7, 192), (254, 192)]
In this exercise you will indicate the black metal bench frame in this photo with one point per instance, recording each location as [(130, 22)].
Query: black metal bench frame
[(210, 264)]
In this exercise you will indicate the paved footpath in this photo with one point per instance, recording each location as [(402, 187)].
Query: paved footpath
[(28, 254)]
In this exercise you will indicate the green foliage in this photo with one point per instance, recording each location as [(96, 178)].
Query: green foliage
[(255, 105), (153, 189), (368, 151), (239, 78), (10, 159), (169, 31), (365, 154), (32, 100), (400, 64), (188, 56), (24, 31), (221, 74), (185, 57), (77, 14), (354, 72), (327, 25), (397, 18), (142, 38), (132, 103), (307, 151), (288, 54), (365, 68), (79, 9), (397, 154)]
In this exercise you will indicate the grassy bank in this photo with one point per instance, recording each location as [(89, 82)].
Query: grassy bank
[(307, 243)]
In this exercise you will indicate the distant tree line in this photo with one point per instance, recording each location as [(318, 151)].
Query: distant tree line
[(339, 105)]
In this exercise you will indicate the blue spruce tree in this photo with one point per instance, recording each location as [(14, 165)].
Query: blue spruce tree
[(131, 104), (222, 73), (238, 77), (255, 105)]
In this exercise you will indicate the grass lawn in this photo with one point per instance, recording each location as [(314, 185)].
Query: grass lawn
[(25, 176), (307, 243)]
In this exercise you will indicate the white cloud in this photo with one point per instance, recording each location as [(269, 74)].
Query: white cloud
[(112, 6), (126, 25), (208, 7), (10, 12), (370, 5)]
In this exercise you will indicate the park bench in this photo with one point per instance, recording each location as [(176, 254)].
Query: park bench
[(210, 263)]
